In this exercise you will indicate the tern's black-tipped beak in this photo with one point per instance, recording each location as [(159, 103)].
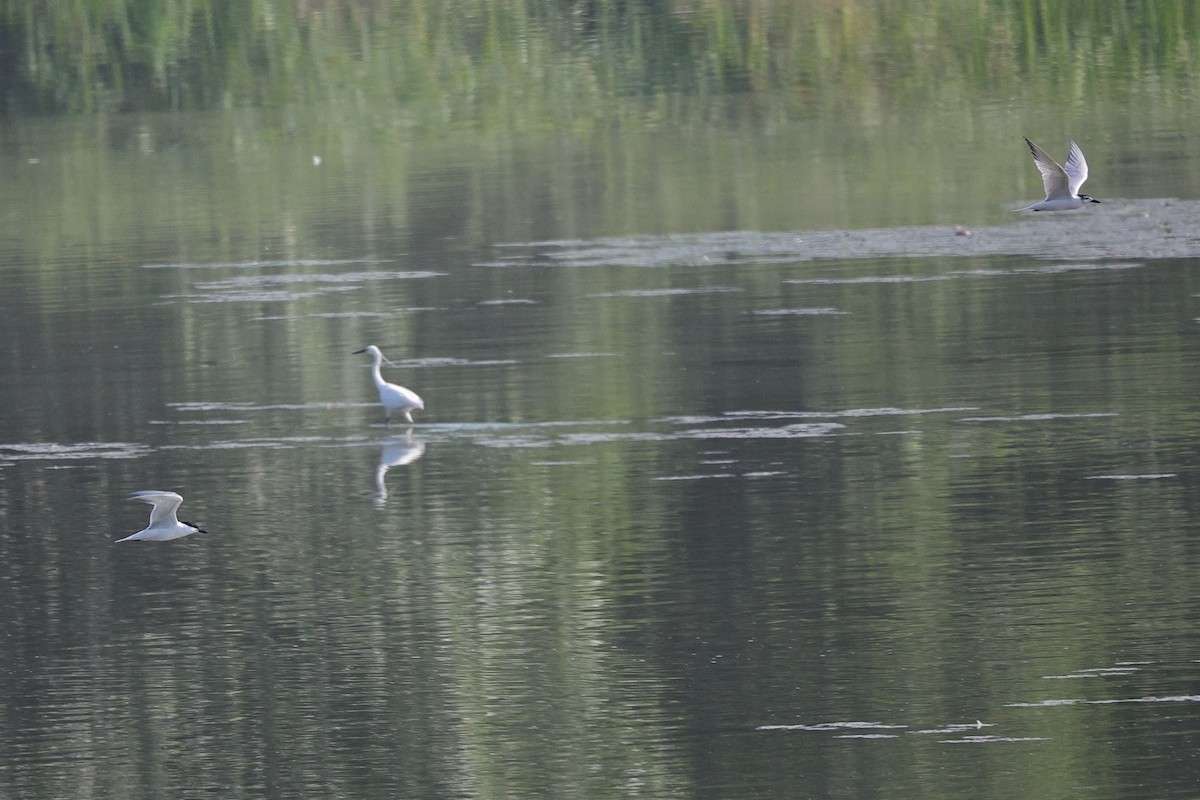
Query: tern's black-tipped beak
[(356, 352)]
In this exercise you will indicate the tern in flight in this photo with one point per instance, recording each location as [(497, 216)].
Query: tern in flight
[(1062, 183), (164, 525)]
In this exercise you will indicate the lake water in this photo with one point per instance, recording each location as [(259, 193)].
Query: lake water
[(766, 453)]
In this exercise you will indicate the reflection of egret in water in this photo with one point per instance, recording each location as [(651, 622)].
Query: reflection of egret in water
[(396, 453)]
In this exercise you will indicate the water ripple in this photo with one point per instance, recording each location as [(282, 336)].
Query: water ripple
[(831, 726), (1041, 417), (199, 406), (289, 279), (64, 452), (994, 739), (1152, 476), (268, 264), (1051, 703), (667, 292), (797, 312)]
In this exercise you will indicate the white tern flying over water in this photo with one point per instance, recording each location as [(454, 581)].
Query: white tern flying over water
[(164, 525), (1062, 183)]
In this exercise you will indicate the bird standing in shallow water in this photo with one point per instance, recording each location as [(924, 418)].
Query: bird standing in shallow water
[(164, 525), (1062, 183), (394, 398)]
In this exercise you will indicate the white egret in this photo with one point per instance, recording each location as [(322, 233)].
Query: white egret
[(164, 525), (394, 398)]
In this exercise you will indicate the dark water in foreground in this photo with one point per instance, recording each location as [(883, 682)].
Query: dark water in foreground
[(840, 529)]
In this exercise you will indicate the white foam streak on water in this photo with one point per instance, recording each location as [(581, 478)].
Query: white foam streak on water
[(583, 355), (1153, 476), (799, 430), (446, 361), (202, 406), (58, 452), (1053, 269), (1047, 417), (1178, 698), (265, 296), (994, 739), (694, 477), (198, 422), (831, 726), (289, 279), (667, 292), (798, 312), (516, 301), (268, 264), (833, 414)]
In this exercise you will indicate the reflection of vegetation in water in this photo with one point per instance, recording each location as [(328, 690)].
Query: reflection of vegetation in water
[(542, 596), (482, 61)]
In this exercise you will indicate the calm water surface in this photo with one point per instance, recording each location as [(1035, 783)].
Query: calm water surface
[(690, 513)]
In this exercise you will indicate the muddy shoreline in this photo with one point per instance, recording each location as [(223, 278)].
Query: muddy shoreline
[(1114, 230)]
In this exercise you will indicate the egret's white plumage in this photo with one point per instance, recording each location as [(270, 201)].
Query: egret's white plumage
[(1062, 183), (164, 525), (394, 398)]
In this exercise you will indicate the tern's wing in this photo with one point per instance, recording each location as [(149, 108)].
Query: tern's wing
[(165, 504), (1053, 176), (1076, 168)]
